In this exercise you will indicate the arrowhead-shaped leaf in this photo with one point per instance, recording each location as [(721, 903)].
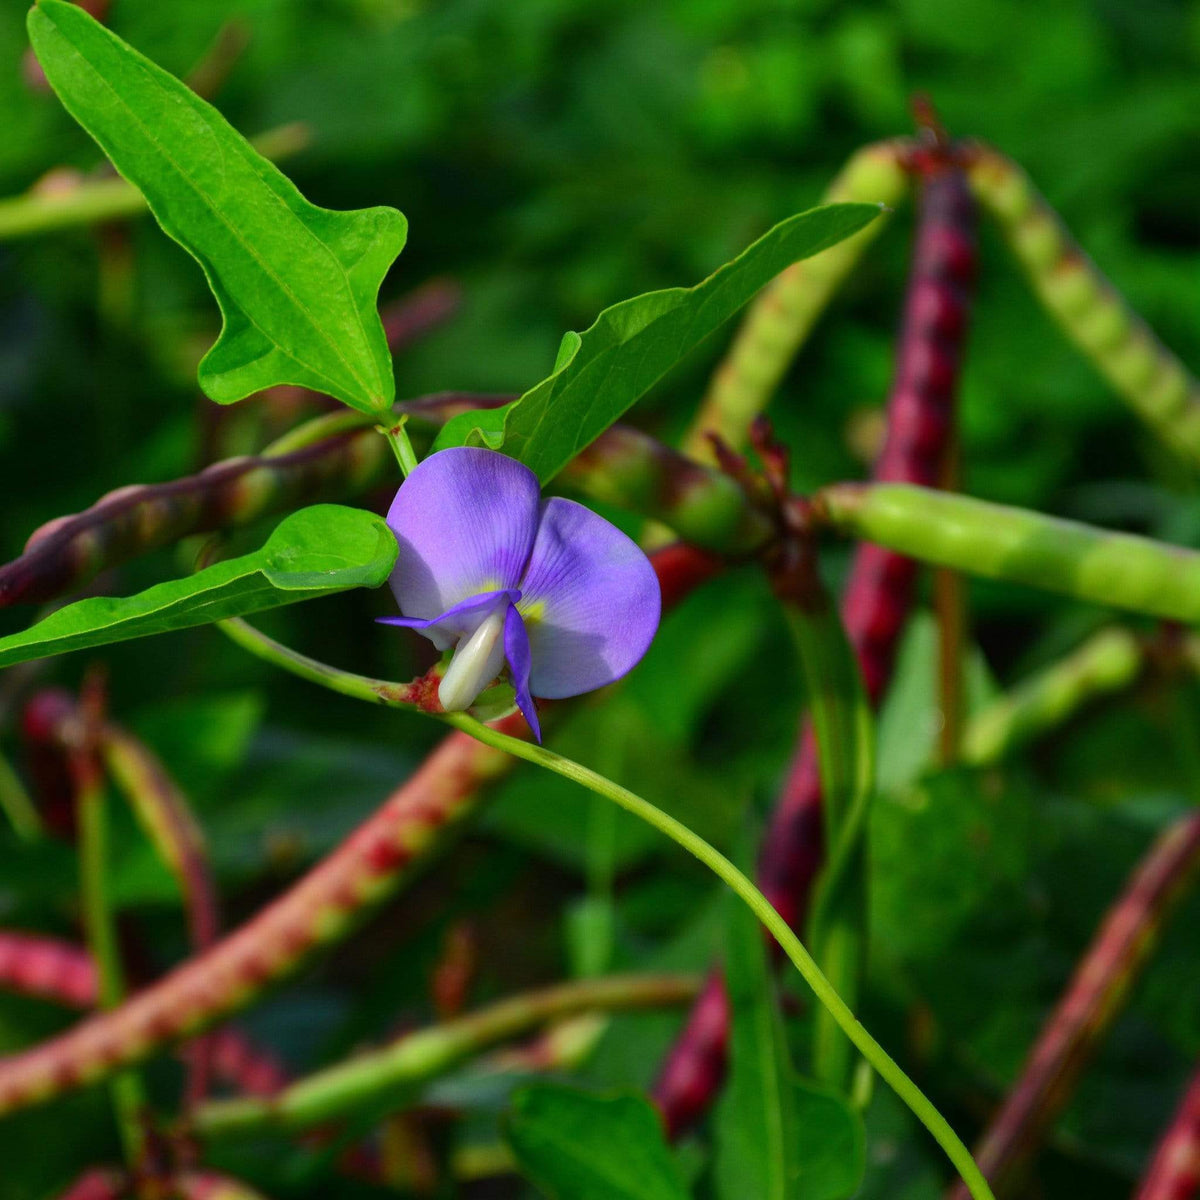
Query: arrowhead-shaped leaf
[(577, 1146), (297, 285), (313, 552), (632, 345)]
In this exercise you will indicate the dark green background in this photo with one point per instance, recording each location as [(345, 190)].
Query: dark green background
[(553, 157)]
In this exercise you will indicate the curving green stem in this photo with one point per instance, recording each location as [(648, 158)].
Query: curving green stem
[(420, 693), (92, 813), (712, 858), (995, 541), (416, 1058)]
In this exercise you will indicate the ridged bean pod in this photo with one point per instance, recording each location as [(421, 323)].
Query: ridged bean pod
[(995, 541), (418, 1057), (1097, 992), (623, 466), (1107, 662), (876, 603), (1093, 314), (63, 973), (67, 552), (780, 319)]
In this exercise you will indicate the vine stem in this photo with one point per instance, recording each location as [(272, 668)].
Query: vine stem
[(16, 804), (712, 858), (397, 438), (92, 808)]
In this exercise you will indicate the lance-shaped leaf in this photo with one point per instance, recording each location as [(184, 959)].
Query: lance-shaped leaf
[(297, 284), (632, 345), (316, 551), (841, 720), (577, 1146), (777, 1137)]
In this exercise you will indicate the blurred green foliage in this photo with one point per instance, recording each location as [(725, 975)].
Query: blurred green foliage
[(556, 156)]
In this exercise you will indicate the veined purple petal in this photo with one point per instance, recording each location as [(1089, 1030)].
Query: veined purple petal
[(465, 521), (516, 650), (590, 602), (460, 621)]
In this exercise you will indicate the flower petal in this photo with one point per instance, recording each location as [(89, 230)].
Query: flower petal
[(516, 650), (590, 600), (465, 520), (477, 660), (460, 621)]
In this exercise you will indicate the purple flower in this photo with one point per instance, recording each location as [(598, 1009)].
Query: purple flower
[(489, 567)]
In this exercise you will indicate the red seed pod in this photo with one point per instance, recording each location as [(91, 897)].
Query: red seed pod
[(46, 968), (1174, 1172), (878, 593), (1095, 995), (100, 1183)]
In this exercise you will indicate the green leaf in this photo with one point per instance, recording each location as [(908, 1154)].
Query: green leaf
[(313, 552), (297, 285), (777, 1137), (844, 729), (632, 345), (757, 1138), (577, 1146), (832, 1144)]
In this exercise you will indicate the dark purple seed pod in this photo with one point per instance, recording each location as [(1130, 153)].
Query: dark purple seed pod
[(878, 594)]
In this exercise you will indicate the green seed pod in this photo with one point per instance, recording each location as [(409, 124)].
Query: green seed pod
[(1118, 570), (1091, 312), (780, 319), (1107, 662)]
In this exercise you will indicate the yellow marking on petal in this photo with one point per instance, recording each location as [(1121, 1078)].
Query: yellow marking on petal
[(532, 612)]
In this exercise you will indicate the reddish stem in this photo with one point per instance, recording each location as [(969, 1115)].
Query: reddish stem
[(877, 599), (1174, 1172)]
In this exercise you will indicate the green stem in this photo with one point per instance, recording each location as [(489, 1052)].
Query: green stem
[(359, 687), (416, 1058), (16, 804), (870, 1049), (397, 437), (128, 1099)]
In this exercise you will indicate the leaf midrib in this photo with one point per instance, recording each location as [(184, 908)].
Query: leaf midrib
[(247, 246)]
